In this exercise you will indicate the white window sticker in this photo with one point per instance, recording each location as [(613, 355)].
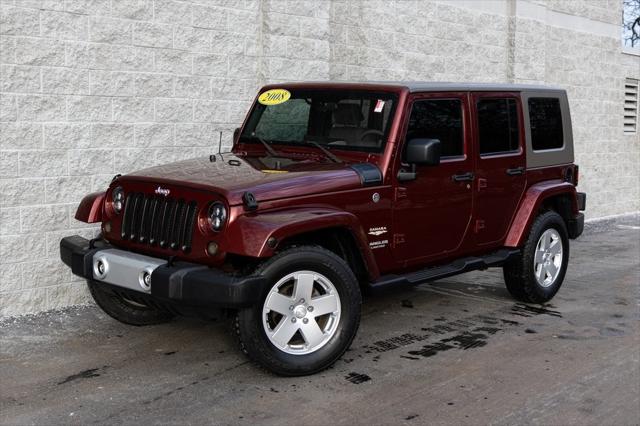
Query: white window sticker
[(379, 106)]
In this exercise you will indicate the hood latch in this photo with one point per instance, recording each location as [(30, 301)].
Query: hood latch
[(249, 200)]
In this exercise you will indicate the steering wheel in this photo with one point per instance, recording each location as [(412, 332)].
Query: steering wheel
[(370, 132)]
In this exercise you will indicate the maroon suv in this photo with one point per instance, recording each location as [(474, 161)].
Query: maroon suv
[(331, 189)]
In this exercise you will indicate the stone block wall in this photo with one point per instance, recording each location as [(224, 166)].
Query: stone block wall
[(91, 88)]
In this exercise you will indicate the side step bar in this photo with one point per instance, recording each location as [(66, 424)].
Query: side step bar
[(459, 266)]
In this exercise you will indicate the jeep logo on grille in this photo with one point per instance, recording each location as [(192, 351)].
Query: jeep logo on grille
[(162, 191)]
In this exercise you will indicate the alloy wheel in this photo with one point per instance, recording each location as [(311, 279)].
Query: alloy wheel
[(547, 261), (301, 312)]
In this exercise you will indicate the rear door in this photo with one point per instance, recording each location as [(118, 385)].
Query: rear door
[(499, 164), (433, 211)]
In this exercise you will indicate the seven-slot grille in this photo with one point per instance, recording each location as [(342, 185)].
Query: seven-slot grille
[(158, 220)]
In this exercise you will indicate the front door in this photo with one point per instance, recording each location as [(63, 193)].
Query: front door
[(433, 211), (500, 164)]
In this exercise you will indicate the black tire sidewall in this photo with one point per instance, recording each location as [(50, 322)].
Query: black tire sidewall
[(114, 306), (535, 291), (253, 336)]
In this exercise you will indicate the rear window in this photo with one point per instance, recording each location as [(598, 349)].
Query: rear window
[(545, 118), (498, 125)]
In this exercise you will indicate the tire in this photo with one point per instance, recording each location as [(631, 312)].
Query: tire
[(263, 332), (123, 310), (528, 278)]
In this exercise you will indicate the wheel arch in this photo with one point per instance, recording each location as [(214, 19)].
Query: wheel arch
[(90, 208), (263, 235), (338, 240), (555, 195)]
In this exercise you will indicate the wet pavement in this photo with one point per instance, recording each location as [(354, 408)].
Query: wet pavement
[(459, 351)]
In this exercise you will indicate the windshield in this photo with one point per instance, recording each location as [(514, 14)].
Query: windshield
[(342, 119)]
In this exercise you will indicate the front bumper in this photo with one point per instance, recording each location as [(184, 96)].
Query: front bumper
[(181, 283)]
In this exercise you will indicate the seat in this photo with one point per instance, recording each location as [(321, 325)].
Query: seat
[(346, 125)]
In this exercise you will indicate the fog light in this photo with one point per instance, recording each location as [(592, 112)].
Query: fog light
[(145, 279), (100, 268), (212, 248)]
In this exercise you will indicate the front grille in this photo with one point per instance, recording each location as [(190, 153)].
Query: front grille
[(158, 220)]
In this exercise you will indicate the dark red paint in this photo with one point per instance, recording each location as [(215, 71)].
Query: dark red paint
[(429, 220), (90, 208), (533, 199)]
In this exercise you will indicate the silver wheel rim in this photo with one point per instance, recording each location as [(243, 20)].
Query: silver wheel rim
[(301, 312), (547, 261)]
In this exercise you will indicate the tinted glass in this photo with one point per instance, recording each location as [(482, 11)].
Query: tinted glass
[(438, 119), (340, 119), (498, 125), (546, 123), (288, 123)]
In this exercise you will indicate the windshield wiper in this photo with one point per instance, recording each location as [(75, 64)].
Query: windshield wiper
[(267, 146), (328, 153)]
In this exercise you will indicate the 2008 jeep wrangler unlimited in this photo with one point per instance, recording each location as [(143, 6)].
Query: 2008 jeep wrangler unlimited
[(333, 188)]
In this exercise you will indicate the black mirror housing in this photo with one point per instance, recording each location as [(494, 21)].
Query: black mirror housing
[(423, 151)]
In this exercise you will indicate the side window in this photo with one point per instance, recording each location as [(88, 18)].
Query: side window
[(438, 119), (545, 118), (498, 128)]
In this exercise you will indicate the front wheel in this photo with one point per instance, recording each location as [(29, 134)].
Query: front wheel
[(536, 275), (307, 316)]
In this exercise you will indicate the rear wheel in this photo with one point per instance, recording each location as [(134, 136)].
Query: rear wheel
[(125, 310), (536, 275), (308, 315)]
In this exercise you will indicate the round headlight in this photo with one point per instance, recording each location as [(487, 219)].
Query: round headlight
[(117, 198), (217, 216)]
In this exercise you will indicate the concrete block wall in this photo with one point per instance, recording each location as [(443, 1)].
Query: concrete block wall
[(91, 88)]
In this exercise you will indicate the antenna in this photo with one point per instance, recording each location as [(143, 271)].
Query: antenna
[(220, 143)]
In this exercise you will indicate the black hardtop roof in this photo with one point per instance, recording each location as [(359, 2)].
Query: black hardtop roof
[(429, 86)]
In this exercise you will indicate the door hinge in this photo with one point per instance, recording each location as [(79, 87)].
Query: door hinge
[(479, 225), (482, 183)]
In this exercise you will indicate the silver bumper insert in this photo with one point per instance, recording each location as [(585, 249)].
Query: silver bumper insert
[(125, 269)]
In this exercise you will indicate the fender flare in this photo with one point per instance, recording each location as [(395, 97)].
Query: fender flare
[(249, 234), (530, 204), (90, 208)]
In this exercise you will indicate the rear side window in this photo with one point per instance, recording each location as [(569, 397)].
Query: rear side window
[(438, 119), (498, 128), (545, 118)]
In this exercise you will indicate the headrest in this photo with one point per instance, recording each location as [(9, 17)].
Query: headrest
[(347, 115)]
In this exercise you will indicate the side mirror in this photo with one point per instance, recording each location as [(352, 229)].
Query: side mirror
[(423, 151), (420, 151), (236, 133)]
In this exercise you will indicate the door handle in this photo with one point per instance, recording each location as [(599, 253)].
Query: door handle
[(462, 177), (516, 171)]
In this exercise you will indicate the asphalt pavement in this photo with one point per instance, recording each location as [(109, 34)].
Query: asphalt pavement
[(459, 351)]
